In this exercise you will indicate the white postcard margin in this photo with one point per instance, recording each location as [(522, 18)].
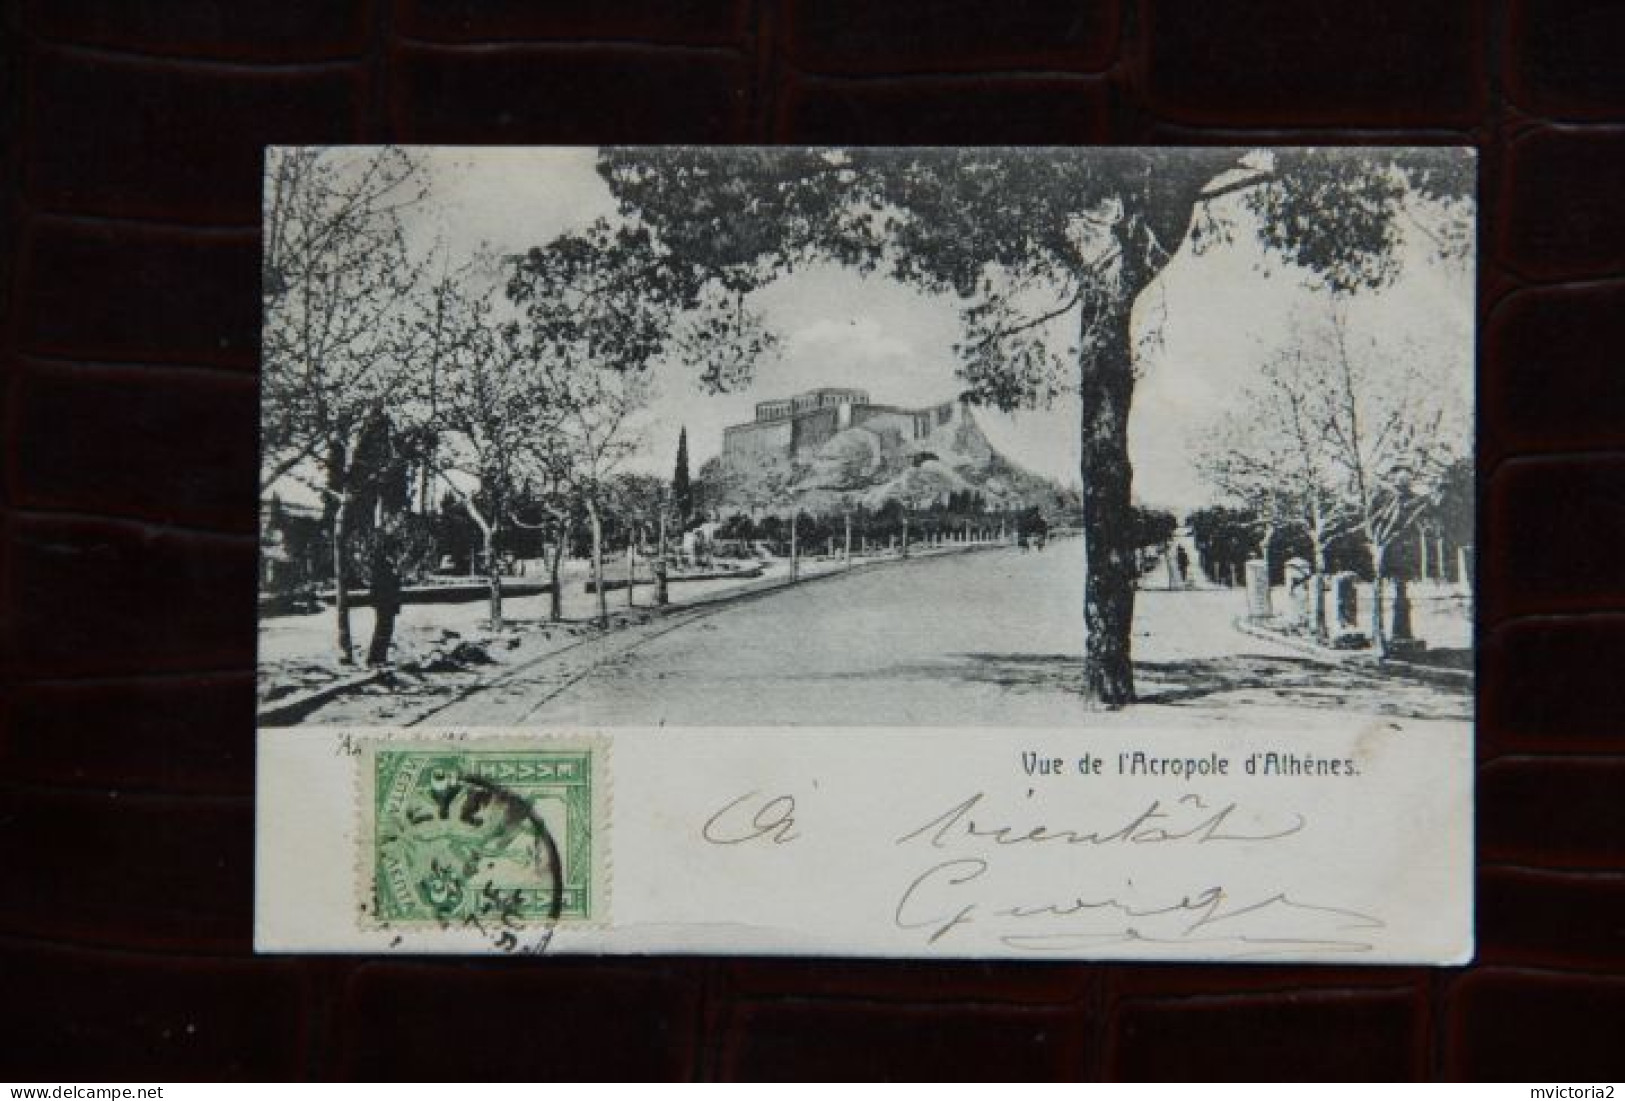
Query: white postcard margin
[(1270, 844)]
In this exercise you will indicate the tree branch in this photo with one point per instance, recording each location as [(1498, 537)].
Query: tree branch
[(1219, 191)]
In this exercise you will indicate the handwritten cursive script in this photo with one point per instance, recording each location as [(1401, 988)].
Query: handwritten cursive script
[(955, 894), (751, 817), (964, 889), (1189, 818)]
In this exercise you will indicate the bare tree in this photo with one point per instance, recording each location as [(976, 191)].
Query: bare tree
[(1243, 457), (1271, 453), (598, 311), (335, 277), (548, 502), (601, 306), (1393, 430), (598, 433), (646, 506), (490, 400)]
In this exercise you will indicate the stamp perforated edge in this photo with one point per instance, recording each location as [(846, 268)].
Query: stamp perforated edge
[(599, 749)]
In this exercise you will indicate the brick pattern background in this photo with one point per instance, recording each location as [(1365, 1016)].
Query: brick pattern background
[(132, 144)]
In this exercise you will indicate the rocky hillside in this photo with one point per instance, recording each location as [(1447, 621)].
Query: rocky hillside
[(868, 465)]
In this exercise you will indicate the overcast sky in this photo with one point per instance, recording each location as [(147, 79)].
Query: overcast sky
[(1202, 328)]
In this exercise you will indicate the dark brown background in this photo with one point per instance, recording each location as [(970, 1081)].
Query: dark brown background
[(127, 561)]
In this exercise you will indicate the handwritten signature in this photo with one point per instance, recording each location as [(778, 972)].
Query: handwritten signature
[(951, 895), (959, 892), (962, 889)]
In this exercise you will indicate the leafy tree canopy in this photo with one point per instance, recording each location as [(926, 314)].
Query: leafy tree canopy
[(1001, 228), (1024, 237)]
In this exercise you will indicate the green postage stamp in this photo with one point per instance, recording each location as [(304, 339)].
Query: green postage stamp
[(483, 834)]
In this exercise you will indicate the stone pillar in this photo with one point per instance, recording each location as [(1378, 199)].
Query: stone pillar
[(1298, 574), (1400, 629), (1345, 602), (1258, 588), (1464, 578)]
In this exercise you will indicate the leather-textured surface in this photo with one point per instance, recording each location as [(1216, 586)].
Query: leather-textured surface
[(132, 145)]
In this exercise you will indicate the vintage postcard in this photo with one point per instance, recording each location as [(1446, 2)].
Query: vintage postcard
[(1029, 553)]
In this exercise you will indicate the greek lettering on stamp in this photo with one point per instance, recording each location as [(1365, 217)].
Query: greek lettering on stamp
[(491, 836)]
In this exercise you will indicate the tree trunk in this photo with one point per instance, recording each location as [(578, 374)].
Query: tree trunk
[(631, 569), (493, 577), (1317, 596), (341, 588), (1379, 643), (795, 563), (662, 596), (1107, 391), (598, 578), (555, 596), (386, 607)]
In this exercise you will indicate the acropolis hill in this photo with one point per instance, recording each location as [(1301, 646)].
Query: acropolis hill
[(798, 426), (831, 448)]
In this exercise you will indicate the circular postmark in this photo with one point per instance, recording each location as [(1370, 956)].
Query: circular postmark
[(459, 850)]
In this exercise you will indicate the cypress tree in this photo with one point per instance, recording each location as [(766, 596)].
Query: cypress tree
[(682, 491)]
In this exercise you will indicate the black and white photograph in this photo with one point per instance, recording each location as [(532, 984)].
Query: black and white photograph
[(1004, 438)]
